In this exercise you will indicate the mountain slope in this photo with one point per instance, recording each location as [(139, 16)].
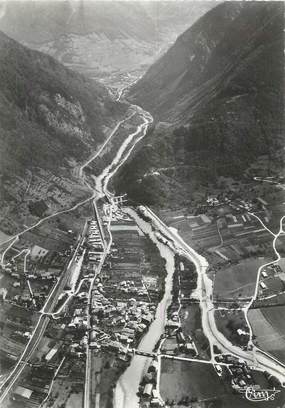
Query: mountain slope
[(99, 37), (215, 48), (50, 119), (217, 97)]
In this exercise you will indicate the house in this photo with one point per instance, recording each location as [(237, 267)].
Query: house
[(262, 285), (264, 274), (94, 345), (51, 353), (23, 392), (114, 346), (3, 292), (190, 349), (262, 201), (170, 324), (147, 319), (180, 337), (148, 390), (124, 338), (92, 335)]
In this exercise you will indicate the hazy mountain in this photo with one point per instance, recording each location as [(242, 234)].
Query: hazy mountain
[(214, 49), (43, 21), (100, 36), (50, 119), (219, 93)]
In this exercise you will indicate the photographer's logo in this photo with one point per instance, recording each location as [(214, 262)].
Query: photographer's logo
[(257, 395)]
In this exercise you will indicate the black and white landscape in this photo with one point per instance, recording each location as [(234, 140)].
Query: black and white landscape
[(142, 221)]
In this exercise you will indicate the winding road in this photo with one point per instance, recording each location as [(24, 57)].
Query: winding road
[(98, 191), (256, 358)]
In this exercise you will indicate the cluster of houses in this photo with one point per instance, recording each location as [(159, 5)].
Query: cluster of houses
[(94, 242), (148, 391), (20, 289), (238, 371), (130, 287), (125, 321), (269, 272), (186, 343)]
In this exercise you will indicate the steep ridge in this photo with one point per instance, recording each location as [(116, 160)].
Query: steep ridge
[(217, 47), (217, 97), (50, 119)]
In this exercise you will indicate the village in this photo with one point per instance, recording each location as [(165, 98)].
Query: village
[(109, 300)]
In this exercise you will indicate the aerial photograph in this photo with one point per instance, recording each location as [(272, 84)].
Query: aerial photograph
[(142, 204)]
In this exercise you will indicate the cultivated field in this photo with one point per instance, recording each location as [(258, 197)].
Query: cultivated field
[(229, 322), (237, 280), (191, 325), (269, 327), (181, 379)]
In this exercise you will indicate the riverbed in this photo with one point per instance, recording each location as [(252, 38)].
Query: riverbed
[(125, 393)]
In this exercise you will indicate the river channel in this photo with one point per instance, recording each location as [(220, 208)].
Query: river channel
[(125, 393)]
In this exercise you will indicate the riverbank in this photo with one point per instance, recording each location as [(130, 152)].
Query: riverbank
[(125, 393)]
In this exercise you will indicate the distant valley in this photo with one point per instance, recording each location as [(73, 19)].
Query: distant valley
[(113, 42), (142, 204)]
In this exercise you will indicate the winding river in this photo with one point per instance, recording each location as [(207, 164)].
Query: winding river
[(125, 394)]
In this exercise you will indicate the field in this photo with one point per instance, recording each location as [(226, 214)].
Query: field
[(280, 245), (196, 232), (191, 325), (65, 394), (68, 388), (105, 371), (269, 327), (13, 319), (237, 280), (281, 263), (277, 210), (3, 236), (228, 322), (75, 400), (181, 379)]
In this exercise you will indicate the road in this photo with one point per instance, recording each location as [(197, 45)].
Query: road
[(124, 152), (13, 240), (79, 170), (257, 358), (101, 187), (88, 366), (41, 325), (47, 310)]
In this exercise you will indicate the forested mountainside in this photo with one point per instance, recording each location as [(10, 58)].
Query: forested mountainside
[(51, 119), (97, 37), (217, 99)]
